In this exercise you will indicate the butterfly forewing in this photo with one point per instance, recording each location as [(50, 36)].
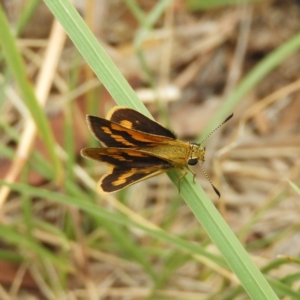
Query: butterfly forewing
[(126, 166), (111, 134), (132, 119)]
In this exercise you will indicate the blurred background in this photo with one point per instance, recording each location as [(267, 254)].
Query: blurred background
[(188, 61)]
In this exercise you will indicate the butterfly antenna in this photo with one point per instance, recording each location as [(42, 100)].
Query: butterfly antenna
[(207, 177), (228, 118)]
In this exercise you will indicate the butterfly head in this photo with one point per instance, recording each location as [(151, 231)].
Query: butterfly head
[(197, 154)]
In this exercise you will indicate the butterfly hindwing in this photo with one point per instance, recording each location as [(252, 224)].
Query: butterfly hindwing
[(132, 119), (111, 134), (127, 166), (121, 178)]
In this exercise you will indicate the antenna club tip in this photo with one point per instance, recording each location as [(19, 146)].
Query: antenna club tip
[(217, 192), (228, 118)]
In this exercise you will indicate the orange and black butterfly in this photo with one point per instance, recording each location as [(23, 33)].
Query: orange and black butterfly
[(137, 148)]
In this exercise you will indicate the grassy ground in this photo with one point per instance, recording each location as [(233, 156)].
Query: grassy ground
[(192, 63)]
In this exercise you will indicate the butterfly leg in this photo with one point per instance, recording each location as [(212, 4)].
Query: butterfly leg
[(194, 174)]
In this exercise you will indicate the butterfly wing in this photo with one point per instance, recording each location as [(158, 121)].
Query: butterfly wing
[(111, 134), (126, 167), (133, 119)]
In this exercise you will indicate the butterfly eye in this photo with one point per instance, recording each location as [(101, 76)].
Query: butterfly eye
[(192, 161)]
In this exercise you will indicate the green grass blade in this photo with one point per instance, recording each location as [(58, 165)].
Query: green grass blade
[(209, 4), (16, 66), (26, 15), (236, 256), (12, 236), (294, 186)]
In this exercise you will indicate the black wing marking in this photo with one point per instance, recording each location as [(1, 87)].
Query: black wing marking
[(132, 119), (111, 134)]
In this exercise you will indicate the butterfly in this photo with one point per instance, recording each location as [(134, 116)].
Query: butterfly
[(137, 148)]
